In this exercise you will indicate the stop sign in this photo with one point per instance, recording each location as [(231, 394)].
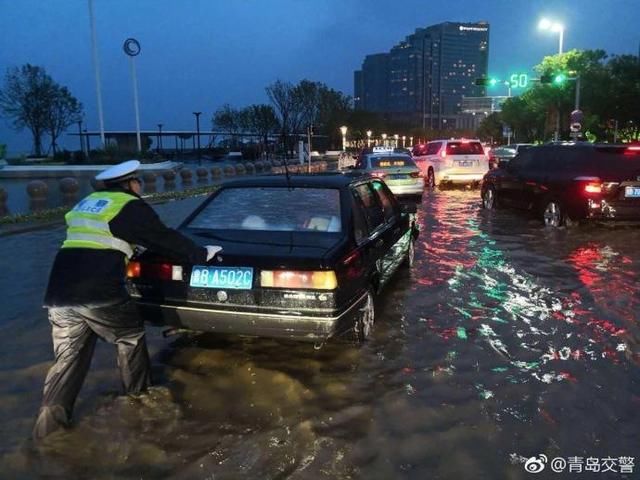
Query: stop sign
[(577, 116)]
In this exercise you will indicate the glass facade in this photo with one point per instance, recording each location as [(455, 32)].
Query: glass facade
[(428, 73)]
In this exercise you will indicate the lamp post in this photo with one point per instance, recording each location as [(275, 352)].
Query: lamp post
[(96, 67), (384, 139), (369, 133), (546, 24), (132, 48), (404, 138), (343, 130), (411, 141), (197, 114), (159, 137), (80, 135), (396, 137)]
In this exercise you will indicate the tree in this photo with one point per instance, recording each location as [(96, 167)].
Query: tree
[(261, 120), (64, 110), (490, 128), (26, 98), (228, 120), (281, 95)]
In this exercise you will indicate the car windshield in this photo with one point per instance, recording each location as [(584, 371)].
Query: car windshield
[(464, 148), (391, 162), (274, 209)]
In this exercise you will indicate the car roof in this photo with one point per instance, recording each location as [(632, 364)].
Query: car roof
[(456, 140), (324, 180)]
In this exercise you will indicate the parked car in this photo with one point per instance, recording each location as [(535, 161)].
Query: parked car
[(303, 258), (456, 161), (565, 183), (504, 153), (398, 170)]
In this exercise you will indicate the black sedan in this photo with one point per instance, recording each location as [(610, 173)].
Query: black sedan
[(303, 258), (572, 182)]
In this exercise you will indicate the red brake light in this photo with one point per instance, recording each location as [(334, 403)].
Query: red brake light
[(416, 174), (133, 270), (633, 150), (593, 188)]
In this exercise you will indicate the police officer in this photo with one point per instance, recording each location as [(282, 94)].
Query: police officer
[(86, 295)]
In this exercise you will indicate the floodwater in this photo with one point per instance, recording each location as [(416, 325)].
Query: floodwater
[(506, 341)]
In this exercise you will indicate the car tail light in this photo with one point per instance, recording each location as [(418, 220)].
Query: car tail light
[(133, 270), (159, 271), (591, 184), (319, 280), (593, 188), (416, 174), (633, 150)]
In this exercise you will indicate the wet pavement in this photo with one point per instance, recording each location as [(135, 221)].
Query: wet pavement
[(506, 341)]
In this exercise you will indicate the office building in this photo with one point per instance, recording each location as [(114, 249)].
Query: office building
[(424, 78)]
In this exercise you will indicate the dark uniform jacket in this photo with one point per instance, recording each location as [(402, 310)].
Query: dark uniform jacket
[(87, 277)]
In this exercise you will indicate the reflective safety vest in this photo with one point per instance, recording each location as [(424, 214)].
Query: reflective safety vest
[(88, 222)]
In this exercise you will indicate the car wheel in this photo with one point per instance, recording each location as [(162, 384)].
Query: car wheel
[(431, 179), (553, 215), (365, 319), (410, 255), (489, 198)]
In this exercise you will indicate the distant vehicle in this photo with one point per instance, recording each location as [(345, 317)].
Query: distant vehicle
[(398, 170), (504, 153), (303, 258), (565, 183), (456, 161)]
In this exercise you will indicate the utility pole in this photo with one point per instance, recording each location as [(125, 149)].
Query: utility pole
[(309, 134), (96, 67), (197, 114)]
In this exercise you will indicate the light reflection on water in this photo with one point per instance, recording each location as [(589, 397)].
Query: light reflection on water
[(506, 340)]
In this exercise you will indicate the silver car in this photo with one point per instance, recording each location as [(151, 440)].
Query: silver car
[(398, 170)]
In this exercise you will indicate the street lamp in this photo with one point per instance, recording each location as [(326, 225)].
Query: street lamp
[(404, 138), (396, 137), (159, 137), (343, 130), (131, 47), (411, 141), (546, 24), (384, 139), (197, 114), (369, 133)]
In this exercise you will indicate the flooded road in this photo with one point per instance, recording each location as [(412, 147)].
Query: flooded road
[(506, 341)]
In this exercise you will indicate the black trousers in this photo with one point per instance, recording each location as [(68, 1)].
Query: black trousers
[(74, 333)]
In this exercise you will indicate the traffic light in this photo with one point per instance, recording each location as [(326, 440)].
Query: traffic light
[(486, 82), (556, 78), (559, 79)]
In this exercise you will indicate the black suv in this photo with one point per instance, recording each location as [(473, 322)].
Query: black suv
[(562, 183)]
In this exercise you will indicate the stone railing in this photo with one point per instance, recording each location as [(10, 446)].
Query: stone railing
[(38, 191)]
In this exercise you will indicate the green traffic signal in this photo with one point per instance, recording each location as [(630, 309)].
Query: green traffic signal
[(559, 78), (486, 82)]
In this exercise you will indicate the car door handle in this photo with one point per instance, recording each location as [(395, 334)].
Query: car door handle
[(379, 243)]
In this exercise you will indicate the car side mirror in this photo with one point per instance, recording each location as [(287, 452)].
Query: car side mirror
[(408, 208)]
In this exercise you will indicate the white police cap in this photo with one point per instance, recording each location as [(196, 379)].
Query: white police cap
[(119, 172)]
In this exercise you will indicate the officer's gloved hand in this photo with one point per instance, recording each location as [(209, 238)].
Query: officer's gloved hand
[(212, 250)]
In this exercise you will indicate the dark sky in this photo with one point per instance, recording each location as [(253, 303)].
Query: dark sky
[(200, 54)]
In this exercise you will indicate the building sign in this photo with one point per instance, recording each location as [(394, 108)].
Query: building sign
[(473, 29)]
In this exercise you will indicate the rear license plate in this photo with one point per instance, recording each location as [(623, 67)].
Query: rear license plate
[(465, 163), (633, 192), (397, 176), (238, 278)]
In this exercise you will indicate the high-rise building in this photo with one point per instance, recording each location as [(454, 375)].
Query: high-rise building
[(424, 78)]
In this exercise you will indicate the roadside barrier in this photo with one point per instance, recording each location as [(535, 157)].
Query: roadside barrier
[(69, 187)]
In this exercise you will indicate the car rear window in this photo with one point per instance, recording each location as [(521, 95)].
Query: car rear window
[(464, 148), (391, 162), (274, 209)]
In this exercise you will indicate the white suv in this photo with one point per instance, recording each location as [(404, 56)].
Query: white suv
[(452, 161)]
